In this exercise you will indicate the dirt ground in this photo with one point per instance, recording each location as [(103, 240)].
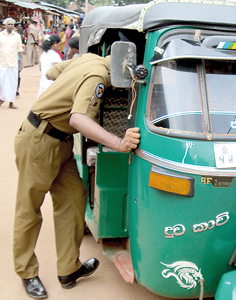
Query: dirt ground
[(106, 283)]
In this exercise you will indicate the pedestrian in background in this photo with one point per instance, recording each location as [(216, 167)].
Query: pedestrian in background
[(77, 32), (10, 47), (36, 46), (60, 27), (19, 30), (2, 26), (32, 41), (67, 35), (62, 44), (48, 58), (54, 30), (73, 48)]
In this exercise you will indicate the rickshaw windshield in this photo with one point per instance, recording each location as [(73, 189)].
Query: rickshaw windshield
[(221, 91), (176, 101)]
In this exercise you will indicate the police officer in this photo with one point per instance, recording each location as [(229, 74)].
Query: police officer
[(45, 162), (32, 41)]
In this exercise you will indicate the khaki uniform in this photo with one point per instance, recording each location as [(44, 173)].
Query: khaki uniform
[(31, 46), (47, 164), (36, 49)]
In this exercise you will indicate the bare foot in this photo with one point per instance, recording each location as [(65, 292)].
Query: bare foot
[(11, 105)]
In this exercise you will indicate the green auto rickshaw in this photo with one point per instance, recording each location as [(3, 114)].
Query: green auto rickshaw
[(166, 213)]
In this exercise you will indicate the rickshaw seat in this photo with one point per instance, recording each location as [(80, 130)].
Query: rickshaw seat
[(92, 153)]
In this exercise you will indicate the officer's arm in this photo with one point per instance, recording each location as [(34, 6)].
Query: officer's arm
[(90, 129)]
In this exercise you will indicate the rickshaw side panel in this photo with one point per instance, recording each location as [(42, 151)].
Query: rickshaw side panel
[(155, 212), (111, 194), (107, 216)]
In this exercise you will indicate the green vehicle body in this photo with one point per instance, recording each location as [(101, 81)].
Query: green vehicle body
[(179, 245)]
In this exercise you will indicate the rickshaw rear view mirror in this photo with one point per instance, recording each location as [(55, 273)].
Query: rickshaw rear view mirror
[(123, 57)]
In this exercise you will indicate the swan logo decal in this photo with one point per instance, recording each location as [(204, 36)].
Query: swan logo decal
[(186, 273)]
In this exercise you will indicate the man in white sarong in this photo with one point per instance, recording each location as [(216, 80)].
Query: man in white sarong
[(10, 47)]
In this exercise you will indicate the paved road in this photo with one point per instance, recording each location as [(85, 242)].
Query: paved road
[(106, 283)]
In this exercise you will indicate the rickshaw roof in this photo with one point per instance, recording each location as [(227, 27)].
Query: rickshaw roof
[(156, 14)]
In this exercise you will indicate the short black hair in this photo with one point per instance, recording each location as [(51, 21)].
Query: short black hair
[(47, 44), (71, 26), (74, 42)]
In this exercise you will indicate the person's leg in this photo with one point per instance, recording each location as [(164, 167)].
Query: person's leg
[(18, 81), (36, 54), (2, 84), (8, 85), (38, 163), (33, 56), (11, 85), (69, 202), (30, 48)]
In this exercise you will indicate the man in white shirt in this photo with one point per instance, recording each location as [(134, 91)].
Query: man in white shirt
[(10, 47)]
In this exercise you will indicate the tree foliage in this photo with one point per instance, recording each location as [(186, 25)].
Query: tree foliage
[(61, 3), (116, 2), (64, 3), (127, 2)]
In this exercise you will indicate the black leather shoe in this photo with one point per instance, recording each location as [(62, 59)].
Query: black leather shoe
[(34, 288), (87, 268)]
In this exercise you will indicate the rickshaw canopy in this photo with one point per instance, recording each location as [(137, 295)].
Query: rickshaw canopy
[(210, 48), (155, 14)]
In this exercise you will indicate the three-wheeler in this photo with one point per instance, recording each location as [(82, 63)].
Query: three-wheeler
[(166, 212)]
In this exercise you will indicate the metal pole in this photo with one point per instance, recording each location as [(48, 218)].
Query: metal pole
[(86, 7)]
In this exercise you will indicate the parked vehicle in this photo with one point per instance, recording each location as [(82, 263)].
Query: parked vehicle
[(166, 213)]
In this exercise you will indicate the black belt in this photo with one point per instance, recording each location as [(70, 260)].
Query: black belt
[(49, 129)]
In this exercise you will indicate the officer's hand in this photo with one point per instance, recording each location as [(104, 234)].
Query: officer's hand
[(130, 140)]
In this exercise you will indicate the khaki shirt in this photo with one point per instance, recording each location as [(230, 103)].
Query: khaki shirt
[(10, 45), (78, 88), (32, 34)]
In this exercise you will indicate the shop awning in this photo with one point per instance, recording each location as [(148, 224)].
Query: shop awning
[(49, 8), (24, 4), (52, 13), (60, 10)]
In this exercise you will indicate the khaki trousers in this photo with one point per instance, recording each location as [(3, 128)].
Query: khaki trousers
[(36, 50), (47, 164), (30, 54)]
